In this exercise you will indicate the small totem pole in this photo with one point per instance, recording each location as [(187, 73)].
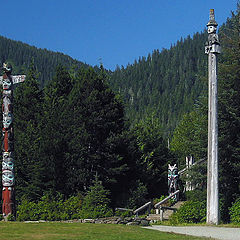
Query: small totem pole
[(8, 179), (189, 163), (172, 180), (212, 48)]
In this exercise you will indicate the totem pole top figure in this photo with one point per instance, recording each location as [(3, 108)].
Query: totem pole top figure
[(7, 68), (213, 44)]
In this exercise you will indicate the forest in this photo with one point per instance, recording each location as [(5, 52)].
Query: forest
[(79, 128)]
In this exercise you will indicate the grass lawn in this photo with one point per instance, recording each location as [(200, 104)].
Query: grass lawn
[(84, 231)]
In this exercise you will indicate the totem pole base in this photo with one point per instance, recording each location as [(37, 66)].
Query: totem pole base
[(8, 203)]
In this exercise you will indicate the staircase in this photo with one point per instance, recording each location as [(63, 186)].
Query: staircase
[(167, 212)]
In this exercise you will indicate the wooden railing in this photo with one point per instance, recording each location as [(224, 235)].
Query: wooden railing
[(183, 170), (157, 205), (148, 204), (124, 209)]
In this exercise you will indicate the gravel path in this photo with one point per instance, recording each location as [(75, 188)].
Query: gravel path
[(201, 231)]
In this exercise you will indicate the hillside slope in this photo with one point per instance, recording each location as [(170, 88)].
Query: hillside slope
[(167, 82)]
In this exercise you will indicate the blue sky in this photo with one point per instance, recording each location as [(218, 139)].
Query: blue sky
[(117, 31)]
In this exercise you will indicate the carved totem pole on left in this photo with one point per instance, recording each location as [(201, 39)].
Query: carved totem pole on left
[(8, 161), (8, 180)]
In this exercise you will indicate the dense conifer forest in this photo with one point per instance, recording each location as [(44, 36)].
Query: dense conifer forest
[(79, 128), (20, 55), (166, 82)]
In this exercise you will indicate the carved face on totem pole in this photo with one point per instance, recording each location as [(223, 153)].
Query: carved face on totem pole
[(7, 120), (6, 83), (7, 166), (7, 178), (172, 178), (212, 45), (211, 29), (7, 156)]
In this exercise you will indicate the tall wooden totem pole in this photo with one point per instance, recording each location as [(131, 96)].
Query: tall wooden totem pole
[(8, 179), (212, 48)]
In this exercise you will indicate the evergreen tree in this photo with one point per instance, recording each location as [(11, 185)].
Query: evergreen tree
[(54, 145), (28, 109), (95, 120), (152, 155), (229, 111)]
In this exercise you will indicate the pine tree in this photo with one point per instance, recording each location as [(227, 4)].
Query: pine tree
[(229, 112), (28, 105), (54, 145), (96, 123)]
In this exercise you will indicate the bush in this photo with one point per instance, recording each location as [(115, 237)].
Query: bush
[(190, 212), (123, 214), (196, 195), (96, 203), (50, 208), (235, 212)]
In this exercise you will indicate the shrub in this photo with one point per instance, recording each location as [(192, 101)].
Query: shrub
[(235, 212), (27, 211), (73, 206), (196, 195), (123, 214), (50, 208), (190, 212), (96, 203)]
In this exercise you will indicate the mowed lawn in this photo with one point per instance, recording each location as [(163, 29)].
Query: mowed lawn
[(84, 231)]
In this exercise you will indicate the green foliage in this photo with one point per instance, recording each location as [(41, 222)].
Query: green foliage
[(152, 155), (138, 195), (29, 171), (20, 55), (235, 212), (123, 214), (96, 203), (50, 208), (167, 81), (169, 202), (190, 212), (196, 195), (11, 218), (229, 113)]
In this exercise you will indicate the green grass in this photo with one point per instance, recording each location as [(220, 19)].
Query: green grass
[(83, 231)]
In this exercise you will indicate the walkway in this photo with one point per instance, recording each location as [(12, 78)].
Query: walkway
[(222, 233)]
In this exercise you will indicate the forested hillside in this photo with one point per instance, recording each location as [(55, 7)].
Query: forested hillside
[(20, 55), (167, 82)]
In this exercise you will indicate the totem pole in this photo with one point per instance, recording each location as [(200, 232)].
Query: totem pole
[(212, 48), (189, 163), (8, 179), (172, 180)]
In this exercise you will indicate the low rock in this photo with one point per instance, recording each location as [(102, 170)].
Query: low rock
[(88, 220), (132, 223)]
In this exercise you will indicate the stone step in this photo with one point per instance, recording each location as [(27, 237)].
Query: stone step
[(167, 213), (153, 217)]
